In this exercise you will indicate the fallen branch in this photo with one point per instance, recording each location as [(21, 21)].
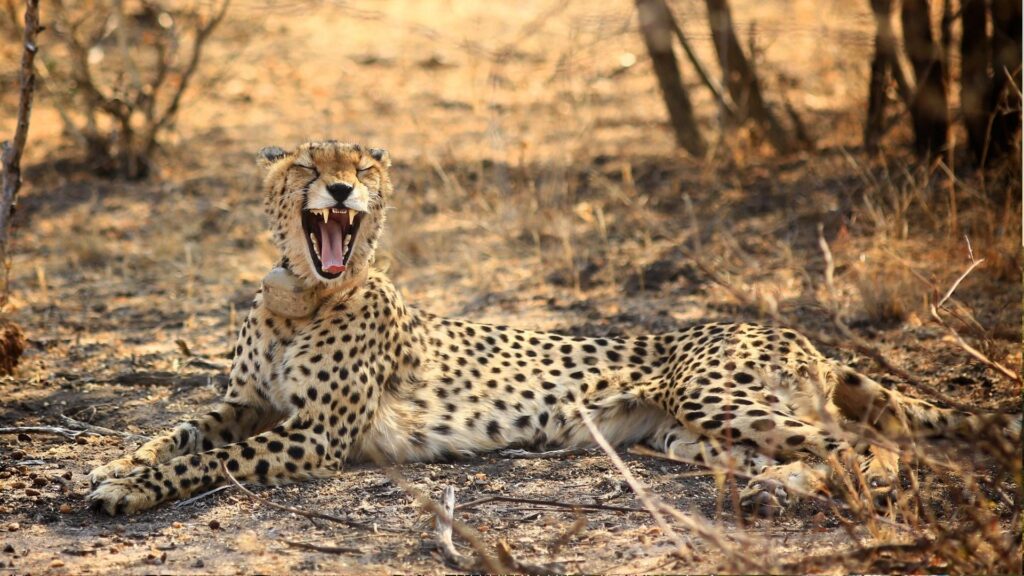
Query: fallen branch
[(301, 512), (100, 430), (65, 432), (526, 454), (162, 378), (553, 503), (317, 548)]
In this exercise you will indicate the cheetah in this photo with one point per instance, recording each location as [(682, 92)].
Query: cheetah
[(345, 372)]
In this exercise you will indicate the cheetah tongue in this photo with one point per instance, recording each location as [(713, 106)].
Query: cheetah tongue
[(332, 246)]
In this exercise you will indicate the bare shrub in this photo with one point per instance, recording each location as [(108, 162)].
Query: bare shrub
[(888, 293), (120, 72)]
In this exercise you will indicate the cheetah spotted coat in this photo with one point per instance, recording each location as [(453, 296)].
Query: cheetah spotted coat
[(366, 377)]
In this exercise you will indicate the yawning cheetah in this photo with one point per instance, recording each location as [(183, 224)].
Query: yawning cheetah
[(343, 370)]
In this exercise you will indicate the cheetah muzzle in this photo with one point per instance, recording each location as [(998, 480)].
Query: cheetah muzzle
[(357, 375)]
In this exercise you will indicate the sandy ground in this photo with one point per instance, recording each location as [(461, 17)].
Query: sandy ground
[(536, 185)]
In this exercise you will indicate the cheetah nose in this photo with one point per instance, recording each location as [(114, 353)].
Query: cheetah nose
[(339, 191)]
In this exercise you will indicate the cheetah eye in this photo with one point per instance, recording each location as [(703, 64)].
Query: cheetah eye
[(316, 173)]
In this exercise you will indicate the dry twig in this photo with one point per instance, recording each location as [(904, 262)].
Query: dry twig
[(553, 503), (451, 556), (198, 497), (100, 430), (974, 352), (65, 432), (317, 548)]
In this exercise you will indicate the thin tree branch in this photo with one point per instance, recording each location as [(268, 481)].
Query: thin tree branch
[(12, 151), (202, 33), (725, 103)]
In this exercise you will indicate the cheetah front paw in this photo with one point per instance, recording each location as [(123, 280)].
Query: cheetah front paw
[(115, 469), (764, 497), (122, 496)]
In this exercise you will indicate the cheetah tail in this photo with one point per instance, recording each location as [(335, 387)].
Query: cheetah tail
[(862, 399)]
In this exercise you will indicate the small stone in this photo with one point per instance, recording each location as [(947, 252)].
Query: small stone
[(57, 564), (17, 454), (199, 564), (175, 524), (24, 437), (81, 440), (13, 527), (39, 481), (66, 475), (214, 525), (65, 508), (18, 485), (8, 549), (32, 492)]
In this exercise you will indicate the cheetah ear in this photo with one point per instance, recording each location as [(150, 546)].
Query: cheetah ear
[(268, 156), (381, 155)]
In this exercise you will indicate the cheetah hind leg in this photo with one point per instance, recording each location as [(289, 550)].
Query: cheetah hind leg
[(773, 486), (770, 492)]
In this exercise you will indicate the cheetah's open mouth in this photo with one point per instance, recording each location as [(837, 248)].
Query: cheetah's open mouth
[(330, 235)]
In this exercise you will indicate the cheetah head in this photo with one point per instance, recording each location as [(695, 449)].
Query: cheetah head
[(326, 203)]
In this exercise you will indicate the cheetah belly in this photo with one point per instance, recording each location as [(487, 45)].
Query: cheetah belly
[(400, 432)]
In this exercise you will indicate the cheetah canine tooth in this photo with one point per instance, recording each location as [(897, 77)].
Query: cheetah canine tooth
[(351, 217)]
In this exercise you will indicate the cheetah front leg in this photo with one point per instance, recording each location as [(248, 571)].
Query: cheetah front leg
[(290, 452), (226, 423), (313, 441), (244, 412)]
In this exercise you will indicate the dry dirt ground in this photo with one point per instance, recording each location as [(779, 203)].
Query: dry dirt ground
[(536, 185)]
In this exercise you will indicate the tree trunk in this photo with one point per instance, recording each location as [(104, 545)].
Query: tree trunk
[(656, 26), (740, 79), (1004, 100), (975, 83), (881, 68), (928, 108)]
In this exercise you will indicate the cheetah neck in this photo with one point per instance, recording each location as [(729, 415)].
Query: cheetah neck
[(287, 295)]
